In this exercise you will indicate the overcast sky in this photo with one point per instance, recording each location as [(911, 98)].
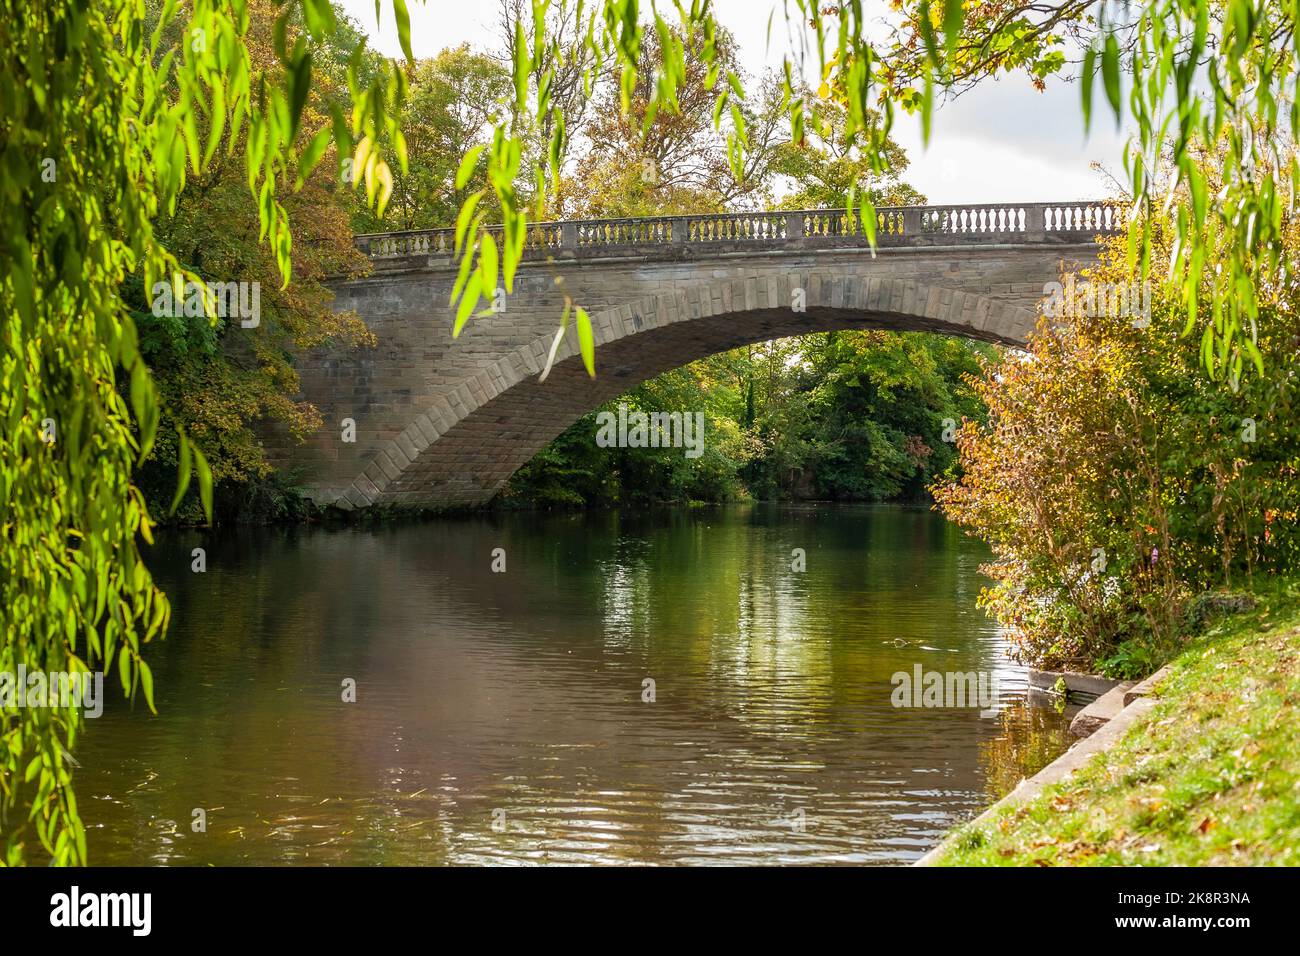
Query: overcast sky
[(1003, 141)]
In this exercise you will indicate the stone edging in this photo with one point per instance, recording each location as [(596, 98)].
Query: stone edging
[(1137, 702), (1079, 688)]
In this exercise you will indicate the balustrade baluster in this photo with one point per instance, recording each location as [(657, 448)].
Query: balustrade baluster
[(900, 225)]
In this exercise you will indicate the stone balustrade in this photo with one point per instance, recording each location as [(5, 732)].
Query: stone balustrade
[(896, 226)]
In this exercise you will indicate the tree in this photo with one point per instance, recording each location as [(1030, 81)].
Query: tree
[(829, 170), (644, 160), (217, 380), (1208, 76), (100, 132), (875, 406), (560, 63), (454, 100), (1115, 484)]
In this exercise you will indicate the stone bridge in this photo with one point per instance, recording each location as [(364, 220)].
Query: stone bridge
[(443, 423)]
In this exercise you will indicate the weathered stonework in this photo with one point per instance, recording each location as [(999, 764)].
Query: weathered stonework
[(443, 423)]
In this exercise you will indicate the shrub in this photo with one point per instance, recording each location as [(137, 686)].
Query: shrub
[(1115, 480)]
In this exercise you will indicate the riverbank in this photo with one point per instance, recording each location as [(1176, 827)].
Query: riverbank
[(280, 504), (1209, 776)]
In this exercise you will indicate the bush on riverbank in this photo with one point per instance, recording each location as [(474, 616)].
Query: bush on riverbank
[(1115, 481), (1210, 777)]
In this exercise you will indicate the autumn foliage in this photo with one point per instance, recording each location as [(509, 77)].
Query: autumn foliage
[(230, 387), (1116, 482)]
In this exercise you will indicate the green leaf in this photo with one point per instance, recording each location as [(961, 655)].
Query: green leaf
[(586, 341), (487, 264), (384, 176), (462, 220), (403, 18), (468, 300), (217, 116), (312, 155), (926, 28), (467, 164), (514, 250), (1253, 352), (299, 87), (952, 23), (205, 481), (142, 405), (1110, 75), (927, 110), (522, 63), (868, 213), (462, 274), (124, 668), (146, 682), (183, 470), (1086, 79), (190, 131)]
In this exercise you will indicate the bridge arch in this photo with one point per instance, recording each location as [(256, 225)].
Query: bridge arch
[(461, 447)]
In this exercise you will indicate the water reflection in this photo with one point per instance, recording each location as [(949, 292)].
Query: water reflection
[(500, 717)]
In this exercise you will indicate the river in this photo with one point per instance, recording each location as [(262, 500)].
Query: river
[(652, 686)]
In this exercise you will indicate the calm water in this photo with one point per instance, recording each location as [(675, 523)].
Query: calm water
[(500, 716)]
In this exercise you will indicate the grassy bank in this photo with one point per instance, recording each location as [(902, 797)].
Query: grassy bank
[(1210, 777)]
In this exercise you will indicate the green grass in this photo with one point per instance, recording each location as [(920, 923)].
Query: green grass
[(1210, 777)]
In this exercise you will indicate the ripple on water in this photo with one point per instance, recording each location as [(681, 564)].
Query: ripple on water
[(505, 719)]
